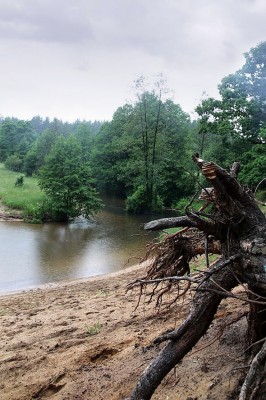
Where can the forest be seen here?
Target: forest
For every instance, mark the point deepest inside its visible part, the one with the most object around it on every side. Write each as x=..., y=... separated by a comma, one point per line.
x=143, y=154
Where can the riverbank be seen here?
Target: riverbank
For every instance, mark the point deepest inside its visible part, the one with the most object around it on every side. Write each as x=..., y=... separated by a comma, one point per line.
x=85, y=340
x=6, y=214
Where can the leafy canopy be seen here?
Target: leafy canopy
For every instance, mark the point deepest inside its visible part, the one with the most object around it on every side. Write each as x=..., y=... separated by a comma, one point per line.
x=242, y=109
x=16, y=138
x=141, y=153
x=67, y=181
x=236, y=123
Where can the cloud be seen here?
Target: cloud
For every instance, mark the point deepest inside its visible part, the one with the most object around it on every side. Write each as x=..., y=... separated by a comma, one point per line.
x=79, y=58
x=44, y=21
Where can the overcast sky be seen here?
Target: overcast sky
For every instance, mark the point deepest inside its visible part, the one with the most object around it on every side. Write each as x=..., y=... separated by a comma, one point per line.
x=78, y=59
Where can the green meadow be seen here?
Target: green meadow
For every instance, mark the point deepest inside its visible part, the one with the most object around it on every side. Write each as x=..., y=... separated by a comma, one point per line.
x=25, y=197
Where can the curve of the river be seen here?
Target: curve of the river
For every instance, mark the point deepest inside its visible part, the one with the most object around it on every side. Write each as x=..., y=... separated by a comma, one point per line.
x=33, y=255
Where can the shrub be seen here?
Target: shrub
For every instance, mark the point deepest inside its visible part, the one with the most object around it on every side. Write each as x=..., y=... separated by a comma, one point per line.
x=93, y=329
x=14, y=163
x=33, y=214
x=20, y=181
x=139, y=202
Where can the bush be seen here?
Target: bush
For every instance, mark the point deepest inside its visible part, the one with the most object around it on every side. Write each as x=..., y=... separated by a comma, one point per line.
x=181, y=204
x=40, y=212
x=20, y=181
x=138, y=202
x=135, y=203
x=14, y=163
x=33, y=214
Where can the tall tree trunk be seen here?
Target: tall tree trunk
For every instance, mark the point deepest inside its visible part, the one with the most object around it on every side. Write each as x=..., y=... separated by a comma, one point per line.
x=145, y=144
x=153, y=161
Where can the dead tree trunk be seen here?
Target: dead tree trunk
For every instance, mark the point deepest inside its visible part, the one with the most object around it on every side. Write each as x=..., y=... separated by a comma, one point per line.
x=236, y=228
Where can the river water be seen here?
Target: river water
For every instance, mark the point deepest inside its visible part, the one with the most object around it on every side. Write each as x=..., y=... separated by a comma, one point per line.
x=33, y=255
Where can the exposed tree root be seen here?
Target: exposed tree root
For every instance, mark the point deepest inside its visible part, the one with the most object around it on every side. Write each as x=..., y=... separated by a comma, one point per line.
x=183, y=339
x=236, y=229
x=254, y=386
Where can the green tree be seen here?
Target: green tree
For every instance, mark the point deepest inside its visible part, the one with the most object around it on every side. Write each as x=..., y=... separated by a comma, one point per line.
x=142, y=151
x=16, y=137
x=241, y=111
x=85, y=136
x=35, y=157
x=67, y=182
x=39, y=124
x=14, y=163
x=112, y=154
x=49, y=131
x=253, y=168
x=162, y=133
x=237, y=122
x=148, y=112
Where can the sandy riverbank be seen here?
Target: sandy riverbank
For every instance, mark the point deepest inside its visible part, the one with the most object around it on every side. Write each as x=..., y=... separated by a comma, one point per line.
x=47, y=350
x=6, y=214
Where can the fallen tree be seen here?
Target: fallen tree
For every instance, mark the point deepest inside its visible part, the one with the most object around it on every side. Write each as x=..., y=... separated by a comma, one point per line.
x=232, y=225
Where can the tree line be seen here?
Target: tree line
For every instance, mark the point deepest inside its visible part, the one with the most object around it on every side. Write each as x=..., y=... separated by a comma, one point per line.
x=143, y=154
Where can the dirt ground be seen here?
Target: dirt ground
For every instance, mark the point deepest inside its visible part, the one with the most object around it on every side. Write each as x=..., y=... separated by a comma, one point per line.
x=85, y=340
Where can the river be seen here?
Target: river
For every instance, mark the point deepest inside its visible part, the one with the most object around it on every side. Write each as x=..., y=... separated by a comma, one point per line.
x=33, y=255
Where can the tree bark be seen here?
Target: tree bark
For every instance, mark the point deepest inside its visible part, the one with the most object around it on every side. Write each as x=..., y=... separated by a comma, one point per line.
x=239, y=226
x=254, y=386
x=202, y=312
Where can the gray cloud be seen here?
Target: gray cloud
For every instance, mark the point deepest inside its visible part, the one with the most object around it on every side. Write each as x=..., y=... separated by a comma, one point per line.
x=45, y=21
x=78, y=58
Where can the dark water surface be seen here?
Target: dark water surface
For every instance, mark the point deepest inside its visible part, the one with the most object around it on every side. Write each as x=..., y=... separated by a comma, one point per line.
x=32, y=255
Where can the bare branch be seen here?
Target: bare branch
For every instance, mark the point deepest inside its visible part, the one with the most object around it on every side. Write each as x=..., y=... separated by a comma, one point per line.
x=235, y=169
x=226, y=293
x=206, y=226
x=166, y=223
x=218, y=266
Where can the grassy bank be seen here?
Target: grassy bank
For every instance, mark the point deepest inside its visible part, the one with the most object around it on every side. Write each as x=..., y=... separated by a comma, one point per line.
x=24, y=198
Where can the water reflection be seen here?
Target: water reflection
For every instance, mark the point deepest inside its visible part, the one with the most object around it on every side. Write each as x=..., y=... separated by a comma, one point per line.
x=36, y=254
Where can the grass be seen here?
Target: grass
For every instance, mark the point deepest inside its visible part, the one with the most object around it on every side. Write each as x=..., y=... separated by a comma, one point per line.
x=101, y=293
x=200, y=262
x=19, y=198
x=93, y=329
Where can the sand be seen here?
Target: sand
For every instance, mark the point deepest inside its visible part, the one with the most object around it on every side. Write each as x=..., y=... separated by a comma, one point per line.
x=85, y=340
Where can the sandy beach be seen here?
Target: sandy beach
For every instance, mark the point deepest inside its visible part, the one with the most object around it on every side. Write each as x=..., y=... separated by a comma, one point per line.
x=85, y=340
